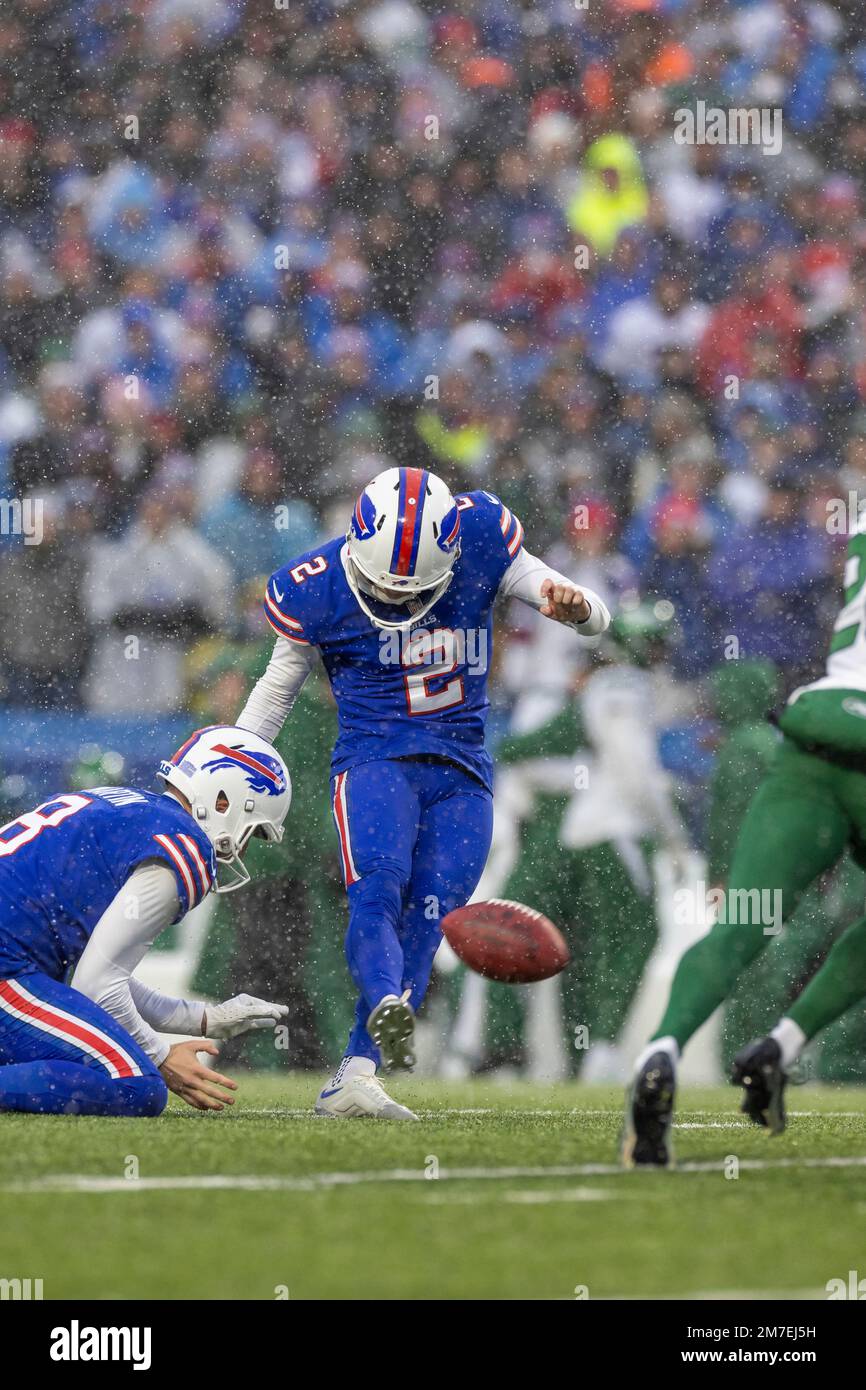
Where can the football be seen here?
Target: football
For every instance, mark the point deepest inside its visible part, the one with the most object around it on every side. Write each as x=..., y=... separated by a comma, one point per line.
x=506, y=941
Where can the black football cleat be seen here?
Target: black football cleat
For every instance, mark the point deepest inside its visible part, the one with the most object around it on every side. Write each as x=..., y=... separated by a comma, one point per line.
x=758, y=1069
x=649, y=1109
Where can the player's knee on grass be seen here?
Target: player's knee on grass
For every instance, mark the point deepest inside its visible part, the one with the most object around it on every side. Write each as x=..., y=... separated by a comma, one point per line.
x=147, y=1095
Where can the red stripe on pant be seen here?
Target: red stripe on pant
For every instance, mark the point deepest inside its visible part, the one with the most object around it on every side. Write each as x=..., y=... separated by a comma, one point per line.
x=350, y=874
x=80, y=1032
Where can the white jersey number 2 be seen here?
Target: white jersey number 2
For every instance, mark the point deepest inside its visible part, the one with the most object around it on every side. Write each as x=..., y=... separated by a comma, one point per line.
x=432, y=656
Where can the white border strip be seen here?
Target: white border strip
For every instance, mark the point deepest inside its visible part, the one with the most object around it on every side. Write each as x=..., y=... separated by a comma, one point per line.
x=312, y=1182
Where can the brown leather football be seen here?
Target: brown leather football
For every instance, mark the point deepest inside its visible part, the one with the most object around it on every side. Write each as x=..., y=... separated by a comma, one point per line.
x=506, y=941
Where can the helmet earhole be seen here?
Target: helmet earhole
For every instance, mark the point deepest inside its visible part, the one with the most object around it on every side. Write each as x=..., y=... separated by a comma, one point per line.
x=249, y=804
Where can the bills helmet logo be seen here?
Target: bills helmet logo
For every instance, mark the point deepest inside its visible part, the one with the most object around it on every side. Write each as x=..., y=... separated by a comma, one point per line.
x=263, y=773
x=363, y=523
x=450, y=533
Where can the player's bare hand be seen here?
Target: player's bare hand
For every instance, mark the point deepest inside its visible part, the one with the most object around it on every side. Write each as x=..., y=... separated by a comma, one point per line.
x=198, y=1085
x=564, y=603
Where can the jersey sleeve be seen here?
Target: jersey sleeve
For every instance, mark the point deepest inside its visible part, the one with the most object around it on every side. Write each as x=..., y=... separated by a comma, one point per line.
x=193, y=862
x=511, y=530
x=498, y=529
x=174, y=840
x=284, y=608
x=299, y=597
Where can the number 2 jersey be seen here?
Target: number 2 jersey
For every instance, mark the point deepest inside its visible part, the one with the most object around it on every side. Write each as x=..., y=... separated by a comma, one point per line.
x=62, y=864
x=422, y=689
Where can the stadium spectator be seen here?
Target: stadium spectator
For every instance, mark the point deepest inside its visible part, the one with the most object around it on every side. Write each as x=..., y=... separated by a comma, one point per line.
x=149, y=594
x=44, y=628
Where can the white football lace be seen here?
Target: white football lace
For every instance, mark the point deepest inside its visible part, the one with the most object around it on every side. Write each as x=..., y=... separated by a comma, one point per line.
x=374, y=1085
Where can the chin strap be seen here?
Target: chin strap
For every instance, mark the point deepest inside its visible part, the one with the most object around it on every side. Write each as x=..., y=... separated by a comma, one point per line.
x=415, y=614
x=231, y=874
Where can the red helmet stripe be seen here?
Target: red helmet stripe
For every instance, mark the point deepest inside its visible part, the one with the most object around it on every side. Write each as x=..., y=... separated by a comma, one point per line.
x=411, y=519
x=240, y=756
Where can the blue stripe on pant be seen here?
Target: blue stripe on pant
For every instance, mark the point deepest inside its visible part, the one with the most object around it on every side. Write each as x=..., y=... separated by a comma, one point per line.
x=419, y=835
x=61, y=1054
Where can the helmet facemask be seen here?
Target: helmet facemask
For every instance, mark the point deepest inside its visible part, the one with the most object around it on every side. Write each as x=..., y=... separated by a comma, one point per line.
x=393, y=606
x=230, y=843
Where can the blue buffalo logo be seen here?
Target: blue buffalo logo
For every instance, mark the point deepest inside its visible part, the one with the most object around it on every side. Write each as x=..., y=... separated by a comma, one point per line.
x=449, y=534
x=263, y=773
x=363, y=523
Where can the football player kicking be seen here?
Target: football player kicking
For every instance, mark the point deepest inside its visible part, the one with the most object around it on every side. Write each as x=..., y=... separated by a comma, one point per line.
x=400, y=611
x=810, y=808
x=87, y=882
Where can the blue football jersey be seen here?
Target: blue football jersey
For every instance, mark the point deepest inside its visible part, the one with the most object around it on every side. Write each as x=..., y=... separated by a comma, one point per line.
x=62, y=864
x=422, y=690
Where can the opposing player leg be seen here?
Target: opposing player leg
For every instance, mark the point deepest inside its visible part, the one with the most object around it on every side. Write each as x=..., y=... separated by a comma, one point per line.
x=761, y=1067
x=61, y=1054
x=795, y=829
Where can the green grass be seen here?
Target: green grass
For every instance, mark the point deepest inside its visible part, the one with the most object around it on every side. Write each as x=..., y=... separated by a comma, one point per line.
x=776, y=1230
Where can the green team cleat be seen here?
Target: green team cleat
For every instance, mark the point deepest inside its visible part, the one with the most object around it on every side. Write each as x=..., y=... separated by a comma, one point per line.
x=758, y=1069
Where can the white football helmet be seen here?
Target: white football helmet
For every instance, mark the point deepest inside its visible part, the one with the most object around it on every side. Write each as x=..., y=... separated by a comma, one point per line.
x=237, y=786
x=401, y=546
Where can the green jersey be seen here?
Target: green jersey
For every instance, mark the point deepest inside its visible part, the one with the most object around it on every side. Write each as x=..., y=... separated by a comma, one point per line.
x=831, y=711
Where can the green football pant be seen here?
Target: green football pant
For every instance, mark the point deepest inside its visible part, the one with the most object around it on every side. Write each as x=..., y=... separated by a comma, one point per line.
x=798, y=826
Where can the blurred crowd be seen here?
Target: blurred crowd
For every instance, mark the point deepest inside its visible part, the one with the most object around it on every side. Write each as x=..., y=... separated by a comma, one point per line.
x=251, y=254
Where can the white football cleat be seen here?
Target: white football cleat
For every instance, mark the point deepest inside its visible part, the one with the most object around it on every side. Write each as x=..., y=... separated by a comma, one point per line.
x=360, y=1097
x=391, y=1025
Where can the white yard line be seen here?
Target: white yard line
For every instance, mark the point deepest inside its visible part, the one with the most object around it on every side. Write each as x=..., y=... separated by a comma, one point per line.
x=530, y=1197
x=311, y=1182
x=306, y=1112
x=712, y=1124
x=721, y=1295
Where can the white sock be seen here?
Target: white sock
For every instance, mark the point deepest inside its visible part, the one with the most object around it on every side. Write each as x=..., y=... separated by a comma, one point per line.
x=668, y=1045
x=353, y=1066
x=791, y=1039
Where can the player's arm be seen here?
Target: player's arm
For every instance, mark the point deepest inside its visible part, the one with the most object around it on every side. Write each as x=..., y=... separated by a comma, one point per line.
x=273, y=695
x=545, y=589
x=294, y=654
x=142, y=909
x=146, y=904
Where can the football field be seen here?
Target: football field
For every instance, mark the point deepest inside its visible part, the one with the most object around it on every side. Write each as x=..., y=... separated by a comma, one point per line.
x=501, y=1192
